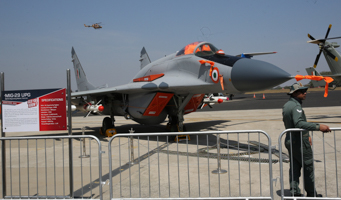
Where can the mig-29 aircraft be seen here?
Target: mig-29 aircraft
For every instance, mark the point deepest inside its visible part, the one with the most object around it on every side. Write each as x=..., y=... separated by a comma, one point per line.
x=332, y=57
x=175, y=85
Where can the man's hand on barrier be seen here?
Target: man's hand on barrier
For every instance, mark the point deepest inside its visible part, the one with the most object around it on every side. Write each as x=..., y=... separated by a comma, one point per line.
x=310, y=141
x=324, y=128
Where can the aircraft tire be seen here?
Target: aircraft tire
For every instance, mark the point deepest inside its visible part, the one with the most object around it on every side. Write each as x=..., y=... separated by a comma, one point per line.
x=106, y=124
x=231, y=96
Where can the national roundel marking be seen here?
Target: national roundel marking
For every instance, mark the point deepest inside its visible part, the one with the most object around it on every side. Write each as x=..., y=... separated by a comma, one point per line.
x=215, y=75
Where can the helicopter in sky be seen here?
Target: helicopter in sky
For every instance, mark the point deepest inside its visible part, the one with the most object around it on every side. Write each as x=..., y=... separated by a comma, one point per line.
x=95, y=25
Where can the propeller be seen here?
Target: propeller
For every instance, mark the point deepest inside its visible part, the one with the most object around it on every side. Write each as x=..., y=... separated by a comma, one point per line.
x=311, y=37
x=321, y=43
x=322, y=47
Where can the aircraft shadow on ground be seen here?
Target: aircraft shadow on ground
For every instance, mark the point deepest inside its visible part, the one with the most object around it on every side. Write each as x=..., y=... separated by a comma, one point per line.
x=213, y=125
x=138, y=128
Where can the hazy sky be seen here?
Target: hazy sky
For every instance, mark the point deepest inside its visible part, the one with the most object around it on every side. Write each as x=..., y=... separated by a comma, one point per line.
x=37, y=35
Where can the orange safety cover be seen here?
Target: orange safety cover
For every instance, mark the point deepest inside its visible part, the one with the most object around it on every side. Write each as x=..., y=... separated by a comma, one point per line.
x=221, y=81
x=148, y=78
x=206, y=48
x=209, y=62
x=158, y=103
x=190, y=48
x=317, y=78
x=194, y=103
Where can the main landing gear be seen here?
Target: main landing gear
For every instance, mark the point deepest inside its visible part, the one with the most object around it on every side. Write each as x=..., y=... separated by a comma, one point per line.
x=108, y=128
x=174, y=125
x=176, y=118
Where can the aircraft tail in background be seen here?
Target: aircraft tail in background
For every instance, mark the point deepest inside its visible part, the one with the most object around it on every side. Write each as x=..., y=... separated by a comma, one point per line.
x=312, y=71
x=82, y=82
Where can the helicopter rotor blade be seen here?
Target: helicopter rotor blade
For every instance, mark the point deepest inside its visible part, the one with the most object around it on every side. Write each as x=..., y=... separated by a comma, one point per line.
x=328, y=31
x=331, y=55
x=322, y=46
x=317, y=58
x=311, y=37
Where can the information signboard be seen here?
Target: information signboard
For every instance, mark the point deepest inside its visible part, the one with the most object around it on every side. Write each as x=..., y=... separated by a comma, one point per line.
x=34, y=110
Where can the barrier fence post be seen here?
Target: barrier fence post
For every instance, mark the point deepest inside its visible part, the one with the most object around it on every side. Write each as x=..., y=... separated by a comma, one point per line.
x=131, y=131
x=3, y=146
x=219, y=170
x=84, y=148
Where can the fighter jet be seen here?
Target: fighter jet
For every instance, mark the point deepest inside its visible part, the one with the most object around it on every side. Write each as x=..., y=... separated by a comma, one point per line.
x=174, y=85
x=332, y=57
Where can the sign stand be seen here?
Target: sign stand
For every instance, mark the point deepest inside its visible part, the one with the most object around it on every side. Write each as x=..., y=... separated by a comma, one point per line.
x=3, y=144
x=70, y=131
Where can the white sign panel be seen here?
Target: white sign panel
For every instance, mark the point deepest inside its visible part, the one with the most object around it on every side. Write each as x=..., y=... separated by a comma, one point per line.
x=34, y=110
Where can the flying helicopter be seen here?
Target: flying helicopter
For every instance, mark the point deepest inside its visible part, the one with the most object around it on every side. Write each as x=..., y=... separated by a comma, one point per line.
x=175, y=85
x=95, y=25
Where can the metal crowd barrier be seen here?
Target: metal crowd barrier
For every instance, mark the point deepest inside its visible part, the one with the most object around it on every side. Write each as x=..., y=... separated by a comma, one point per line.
x=158, y=165
x=38, y=167
x=326, y=155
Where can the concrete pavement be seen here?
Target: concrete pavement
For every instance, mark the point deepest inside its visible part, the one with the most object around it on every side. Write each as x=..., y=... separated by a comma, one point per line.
x=137, y=176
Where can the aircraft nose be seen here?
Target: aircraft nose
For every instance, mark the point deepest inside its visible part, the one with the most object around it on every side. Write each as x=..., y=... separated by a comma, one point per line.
x=251, y=75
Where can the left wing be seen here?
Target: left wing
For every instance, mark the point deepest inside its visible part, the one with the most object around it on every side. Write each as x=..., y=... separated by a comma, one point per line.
x=250, y=55
x=164, y=84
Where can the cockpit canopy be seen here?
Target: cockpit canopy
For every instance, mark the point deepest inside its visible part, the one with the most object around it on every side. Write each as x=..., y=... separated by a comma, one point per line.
x=207, y=51
x=199, y=49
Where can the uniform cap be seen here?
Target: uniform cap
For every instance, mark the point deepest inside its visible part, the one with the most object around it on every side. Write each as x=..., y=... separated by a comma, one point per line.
x=297, y=86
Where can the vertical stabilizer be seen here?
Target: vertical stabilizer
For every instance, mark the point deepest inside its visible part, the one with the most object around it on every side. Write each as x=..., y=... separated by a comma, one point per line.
x=144, y=58
x=82, y=82
x=312, y=71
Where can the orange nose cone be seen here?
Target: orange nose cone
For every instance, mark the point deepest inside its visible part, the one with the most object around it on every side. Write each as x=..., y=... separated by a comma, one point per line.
x=220, y=101
x=100, y=108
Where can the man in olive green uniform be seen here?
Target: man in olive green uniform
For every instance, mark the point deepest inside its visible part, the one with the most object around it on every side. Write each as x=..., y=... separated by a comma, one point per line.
x=294, y=117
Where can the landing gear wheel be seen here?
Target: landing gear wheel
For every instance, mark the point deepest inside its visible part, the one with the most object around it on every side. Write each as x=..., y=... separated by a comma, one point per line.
x=106, y=124
x=231, y=96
